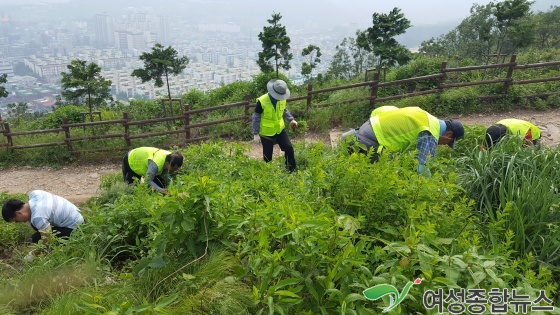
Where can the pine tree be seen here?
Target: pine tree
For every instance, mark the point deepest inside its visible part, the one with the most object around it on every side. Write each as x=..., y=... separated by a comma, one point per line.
x=276, y=46
x=380, y=38
x=85, y=80
x=158, y=63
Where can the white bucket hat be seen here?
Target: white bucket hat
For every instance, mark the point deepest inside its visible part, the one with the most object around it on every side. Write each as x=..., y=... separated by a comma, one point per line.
x=278, y=89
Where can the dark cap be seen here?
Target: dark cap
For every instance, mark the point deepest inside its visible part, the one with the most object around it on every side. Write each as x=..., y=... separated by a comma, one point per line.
x=494, y=134
x=457, y=129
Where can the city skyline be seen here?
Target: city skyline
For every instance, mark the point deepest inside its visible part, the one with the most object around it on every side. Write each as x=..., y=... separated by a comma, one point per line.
x=320, y=12
x=223, y=46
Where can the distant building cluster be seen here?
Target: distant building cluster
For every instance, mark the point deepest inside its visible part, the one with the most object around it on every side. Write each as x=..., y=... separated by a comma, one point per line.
x=203, y=75
x=35, y=48
x=226, y=28
x=6, y=68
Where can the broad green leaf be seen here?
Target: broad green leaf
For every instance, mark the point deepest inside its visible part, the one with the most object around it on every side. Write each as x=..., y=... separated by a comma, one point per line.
x=354, y=297
x=489, y=264
x=443, y=241
x=286, y=293
x=477, y=277
x=397, y=247
x=446, y=282
x=285, y=282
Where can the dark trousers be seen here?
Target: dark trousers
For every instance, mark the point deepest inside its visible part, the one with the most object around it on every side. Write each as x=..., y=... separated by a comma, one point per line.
x=129, y=175
x=59, y=231
x=368, y=146
x=284, y=144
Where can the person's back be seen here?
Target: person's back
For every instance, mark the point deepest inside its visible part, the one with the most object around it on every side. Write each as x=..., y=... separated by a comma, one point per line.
x=138, y=159
x=521, y=128
x=382, y=109
x=49, y=209
x=515, y=127
x=395, y=130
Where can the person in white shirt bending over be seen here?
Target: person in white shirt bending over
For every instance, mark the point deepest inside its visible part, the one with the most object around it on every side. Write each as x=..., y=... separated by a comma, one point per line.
x=47, y=214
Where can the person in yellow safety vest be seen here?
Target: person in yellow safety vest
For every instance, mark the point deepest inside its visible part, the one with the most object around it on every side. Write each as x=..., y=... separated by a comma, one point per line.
x=152, y=163
x=268, y=122
x=382, y=109
x=516, y=127
x=374, y=112
x=396, y=130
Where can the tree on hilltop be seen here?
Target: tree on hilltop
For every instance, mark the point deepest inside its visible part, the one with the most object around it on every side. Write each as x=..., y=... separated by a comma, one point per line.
x=350, y=59
x=512, y=27
x=3, y=79
x=548, y=28
x=314, y=53
x=276, y=46
x=380, y=38
x=17, y=110
x=494, y=29
x=85, y=81
x=158, y=63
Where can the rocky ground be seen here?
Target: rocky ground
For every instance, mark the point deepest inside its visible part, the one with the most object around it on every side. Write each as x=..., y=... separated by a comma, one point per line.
x=79, y=183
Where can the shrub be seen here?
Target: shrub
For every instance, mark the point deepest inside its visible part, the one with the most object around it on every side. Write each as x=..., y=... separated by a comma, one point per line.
x=553, y=101
x=55, y=118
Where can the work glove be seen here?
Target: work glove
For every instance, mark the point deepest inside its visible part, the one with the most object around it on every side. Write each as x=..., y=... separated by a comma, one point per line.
x=256, y=139
x=294, y=124
x=347, y=133
x=424, y=171
x=29, y=257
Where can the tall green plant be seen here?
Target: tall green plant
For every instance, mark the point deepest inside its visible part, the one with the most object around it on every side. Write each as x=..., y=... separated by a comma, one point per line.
x=517, y=190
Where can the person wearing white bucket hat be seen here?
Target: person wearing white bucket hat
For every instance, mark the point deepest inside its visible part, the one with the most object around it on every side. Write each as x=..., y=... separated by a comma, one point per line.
x=268, y=122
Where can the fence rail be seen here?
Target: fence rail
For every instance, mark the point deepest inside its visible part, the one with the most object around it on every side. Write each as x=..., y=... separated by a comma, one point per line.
x=374, y=85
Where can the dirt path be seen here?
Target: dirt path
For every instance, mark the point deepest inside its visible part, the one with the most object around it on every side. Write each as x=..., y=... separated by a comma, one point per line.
x=78, y=184
x=74, y=183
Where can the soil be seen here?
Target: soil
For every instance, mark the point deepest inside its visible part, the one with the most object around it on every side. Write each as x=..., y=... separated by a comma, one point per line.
x=79, y=183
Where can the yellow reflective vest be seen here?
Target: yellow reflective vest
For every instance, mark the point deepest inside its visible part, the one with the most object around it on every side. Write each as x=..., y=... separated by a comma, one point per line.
x=272, y=119
x=138, y=159
x=382, y=109
x=520, y=128
x=395, y=130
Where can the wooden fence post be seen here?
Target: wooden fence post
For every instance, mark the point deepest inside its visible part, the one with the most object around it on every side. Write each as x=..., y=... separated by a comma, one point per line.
x=165, y=111
x=67, y=134
x=187, y=122
x=442, y=78
x=374, y=90
x=509, y=74
x=9, y=140
x=126, y=130
x=309, y=97
x=367, y=71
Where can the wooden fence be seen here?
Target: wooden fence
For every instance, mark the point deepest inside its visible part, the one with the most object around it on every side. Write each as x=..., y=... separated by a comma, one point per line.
x=185, y=117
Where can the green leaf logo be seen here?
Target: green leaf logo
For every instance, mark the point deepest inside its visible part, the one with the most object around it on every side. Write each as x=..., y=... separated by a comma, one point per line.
x=381, y=290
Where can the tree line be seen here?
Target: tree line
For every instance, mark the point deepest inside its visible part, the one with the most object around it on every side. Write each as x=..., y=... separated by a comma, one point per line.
x=498, y=29
x=490, y=31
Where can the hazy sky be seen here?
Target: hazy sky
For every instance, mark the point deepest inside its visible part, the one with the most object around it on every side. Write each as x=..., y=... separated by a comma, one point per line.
x=323, y=12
